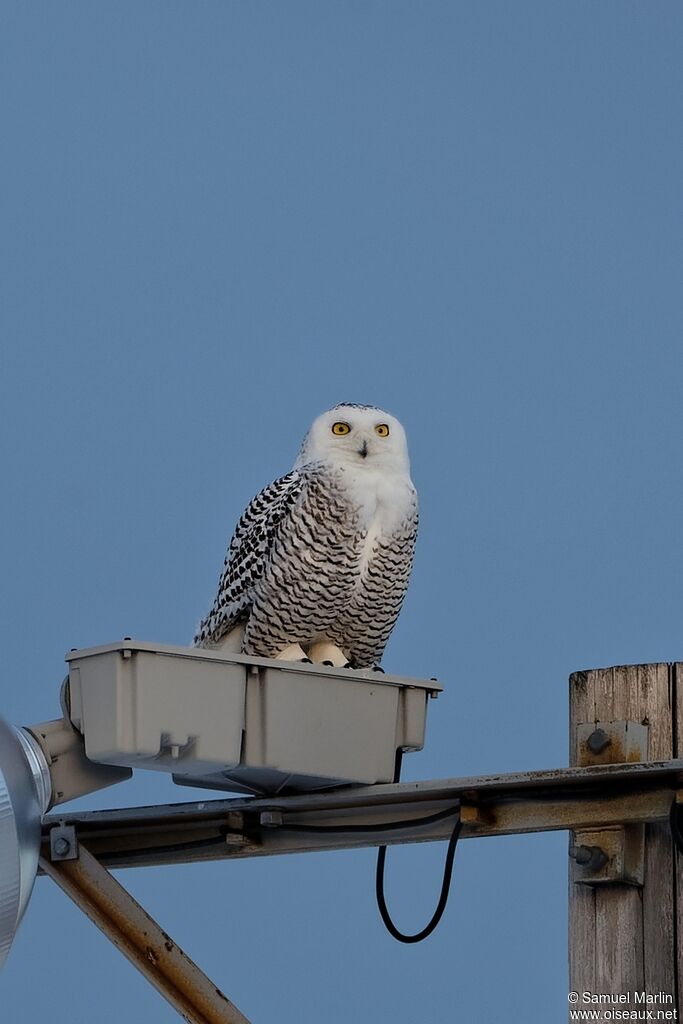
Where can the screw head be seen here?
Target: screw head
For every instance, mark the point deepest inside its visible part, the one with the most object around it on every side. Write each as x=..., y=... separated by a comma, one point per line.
x=61, y=846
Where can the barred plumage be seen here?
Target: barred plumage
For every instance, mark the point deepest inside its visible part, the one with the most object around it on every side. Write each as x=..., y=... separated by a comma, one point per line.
x=319, y=562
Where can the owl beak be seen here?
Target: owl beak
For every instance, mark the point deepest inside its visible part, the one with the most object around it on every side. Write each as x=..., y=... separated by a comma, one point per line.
x=363, y=450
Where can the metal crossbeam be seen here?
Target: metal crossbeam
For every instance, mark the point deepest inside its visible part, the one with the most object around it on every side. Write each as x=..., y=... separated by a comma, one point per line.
x=76, y=847
x=490, y=805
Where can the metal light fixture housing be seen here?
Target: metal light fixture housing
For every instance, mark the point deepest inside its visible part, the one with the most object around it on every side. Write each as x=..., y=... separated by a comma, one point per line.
x=25, y=793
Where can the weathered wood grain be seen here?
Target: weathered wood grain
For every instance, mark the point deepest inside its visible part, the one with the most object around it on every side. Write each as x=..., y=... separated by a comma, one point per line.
x=677, y=697
x=625, y=939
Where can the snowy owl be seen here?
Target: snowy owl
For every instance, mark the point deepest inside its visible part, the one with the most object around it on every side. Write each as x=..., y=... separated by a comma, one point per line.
x=318, y=566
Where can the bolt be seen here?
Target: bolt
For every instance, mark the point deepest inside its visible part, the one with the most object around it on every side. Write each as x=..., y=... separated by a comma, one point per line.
x=61, y=846
x=598, y=741
x=589, y=856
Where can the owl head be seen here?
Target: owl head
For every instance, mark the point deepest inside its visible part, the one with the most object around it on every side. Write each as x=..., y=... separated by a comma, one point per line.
x=356, y=436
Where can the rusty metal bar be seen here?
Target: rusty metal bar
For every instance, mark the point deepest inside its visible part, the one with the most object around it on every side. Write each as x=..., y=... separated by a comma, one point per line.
x=491, y=805
x=141, y=940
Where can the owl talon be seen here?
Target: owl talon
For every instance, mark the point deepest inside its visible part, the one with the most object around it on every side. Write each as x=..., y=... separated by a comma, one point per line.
x=324, y=653
x=378, y=668
x=347, y=665
x=305, y=661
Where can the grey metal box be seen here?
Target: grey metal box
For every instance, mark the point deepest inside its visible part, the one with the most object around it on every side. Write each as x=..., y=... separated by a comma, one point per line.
x=234, y=722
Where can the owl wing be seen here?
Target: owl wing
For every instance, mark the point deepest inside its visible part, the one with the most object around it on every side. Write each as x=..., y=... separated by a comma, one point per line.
x=247, y=557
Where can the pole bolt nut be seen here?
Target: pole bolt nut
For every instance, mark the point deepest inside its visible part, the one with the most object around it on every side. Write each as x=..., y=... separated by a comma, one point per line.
x=598, y=741
x=63, y=843
x=592, y=857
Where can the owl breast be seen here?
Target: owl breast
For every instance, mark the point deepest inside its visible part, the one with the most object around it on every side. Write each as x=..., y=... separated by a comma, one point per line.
x=339, y=570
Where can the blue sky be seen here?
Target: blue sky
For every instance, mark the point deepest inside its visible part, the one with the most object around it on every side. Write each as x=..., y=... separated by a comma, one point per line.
x=219, y=219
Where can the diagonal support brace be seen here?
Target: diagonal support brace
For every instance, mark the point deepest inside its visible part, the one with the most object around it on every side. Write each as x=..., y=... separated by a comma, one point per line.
x=141, y=940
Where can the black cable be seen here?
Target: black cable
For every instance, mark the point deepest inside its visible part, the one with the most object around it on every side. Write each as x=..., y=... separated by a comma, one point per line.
x=384, y=826
x=429, y=819
x=675, y=825
x=445, y=884
x=219, y=840
x=443, y=896
x=190, y=844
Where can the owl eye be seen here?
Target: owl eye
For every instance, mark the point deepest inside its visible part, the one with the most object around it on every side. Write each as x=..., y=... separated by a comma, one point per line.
x=382, y=429
x=341, y=428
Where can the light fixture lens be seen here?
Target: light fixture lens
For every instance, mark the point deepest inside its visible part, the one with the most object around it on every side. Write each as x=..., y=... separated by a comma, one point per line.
x=24, y=797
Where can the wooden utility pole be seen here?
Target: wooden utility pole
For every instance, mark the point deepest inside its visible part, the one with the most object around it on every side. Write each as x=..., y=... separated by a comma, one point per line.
x=626, y=882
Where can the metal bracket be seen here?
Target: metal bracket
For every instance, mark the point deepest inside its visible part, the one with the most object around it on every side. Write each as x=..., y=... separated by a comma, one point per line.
x=616, y=854
x=271, y=819
x=609, y=855
x=63, y=843
x=473, y=814
x=71, y=771
x=611, y=743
